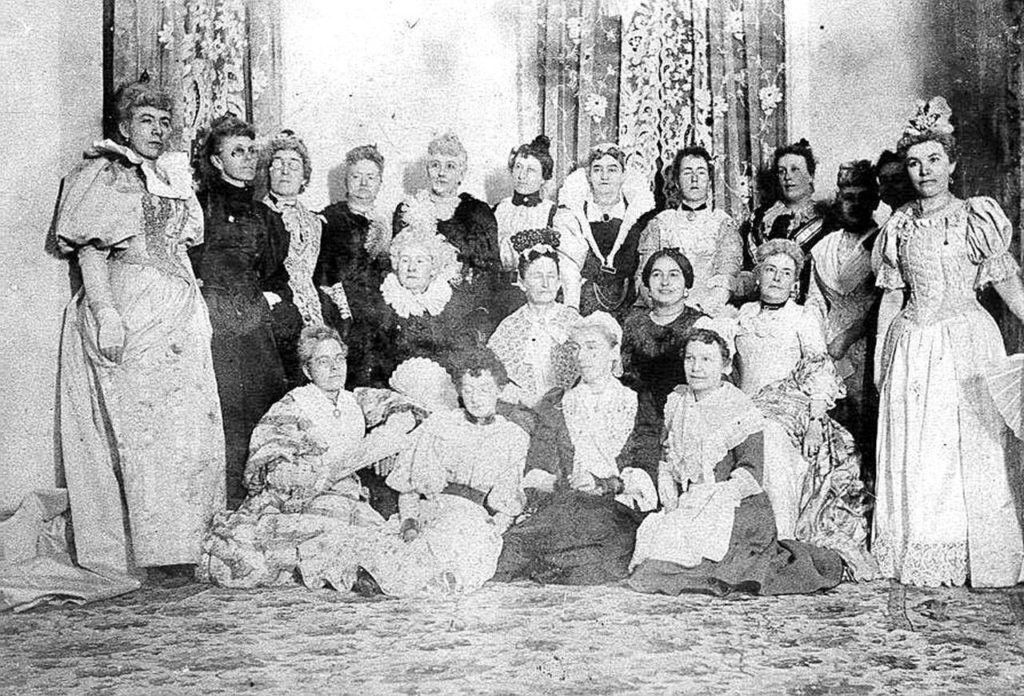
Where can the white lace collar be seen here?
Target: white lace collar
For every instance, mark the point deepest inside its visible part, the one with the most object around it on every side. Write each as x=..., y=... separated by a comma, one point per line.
x=431, y=301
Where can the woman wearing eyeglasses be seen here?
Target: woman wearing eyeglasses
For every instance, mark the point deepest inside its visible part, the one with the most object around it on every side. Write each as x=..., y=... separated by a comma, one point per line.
x=286, y=167
x=241, y=268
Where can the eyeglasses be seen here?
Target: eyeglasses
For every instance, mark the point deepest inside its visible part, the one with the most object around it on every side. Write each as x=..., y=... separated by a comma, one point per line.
x=327, y=361
x=289, y=165
x=241, y=152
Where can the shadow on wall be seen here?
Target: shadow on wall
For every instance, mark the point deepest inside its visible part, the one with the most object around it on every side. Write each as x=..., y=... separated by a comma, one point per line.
x=336, y=185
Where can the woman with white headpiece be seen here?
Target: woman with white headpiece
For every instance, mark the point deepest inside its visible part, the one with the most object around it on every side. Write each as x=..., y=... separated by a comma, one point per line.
x=946, y=511
x=586, y=499
x=615, y=203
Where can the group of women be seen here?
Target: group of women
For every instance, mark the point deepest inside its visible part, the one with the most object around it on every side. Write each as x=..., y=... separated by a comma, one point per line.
x=585, y=392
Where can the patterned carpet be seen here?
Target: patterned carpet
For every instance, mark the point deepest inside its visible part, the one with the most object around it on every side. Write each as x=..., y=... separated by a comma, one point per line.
x=516, y=639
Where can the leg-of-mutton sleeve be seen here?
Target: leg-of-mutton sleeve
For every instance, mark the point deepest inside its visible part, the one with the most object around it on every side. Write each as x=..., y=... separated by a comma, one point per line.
x=988, y=238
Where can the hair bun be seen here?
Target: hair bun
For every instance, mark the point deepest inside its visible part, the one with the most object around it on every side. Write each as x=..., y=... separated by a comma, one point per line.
x=803, y=142
x=541, y=142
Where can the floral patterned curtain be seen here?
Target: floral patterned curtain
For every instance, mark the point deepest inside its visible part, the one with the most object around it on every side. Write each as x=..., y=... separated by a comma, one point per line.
x=211, y=56
x=569, y=72
x=711, y=73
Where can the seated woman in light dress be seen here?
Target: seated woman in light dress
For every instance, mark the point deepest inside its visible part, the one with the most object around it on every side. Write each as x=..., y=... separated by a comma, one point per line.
x=459, y=488
x=587, y=499
x=533, y=342
x=531, y=166
x=301, y=477
x=716, y=531
x=784, y=366
x=652, y=341
x=706, y=235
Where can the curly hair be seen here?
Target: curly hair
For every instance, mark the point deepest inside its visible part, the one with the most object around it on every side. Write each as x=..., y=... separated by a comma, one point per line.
x=671, y=185
x=370, y=153
x=137, y=95
x=443, y=256
x=604, y=150
x=540, y=149
x=222, y=128
x=285, y=140
x=707, y=337
x=946, y=140
x=313, y=336
x=786, y=247
x=801, y=148
x=671, y=253
x=475, y=362
x=448, y=144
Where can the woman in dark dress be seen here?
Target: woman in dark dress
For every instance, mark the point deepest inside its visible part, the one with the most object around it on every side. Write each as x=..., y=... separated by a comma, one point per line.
x=586, y=498
x=354, y=253
x=615, y=210
x=716, y=533
x=467, y=223
x=652, y=342
x=242, y=273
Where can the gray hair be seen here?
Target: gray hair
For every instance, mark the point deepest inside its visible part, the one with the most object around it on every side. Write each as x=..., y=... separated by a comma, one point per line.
x=313, y=336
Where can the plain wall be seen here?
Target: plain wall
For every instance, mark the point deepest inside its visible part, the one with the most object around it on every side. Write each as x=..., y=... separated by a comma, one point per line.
x=397, y=73
x=51, y=98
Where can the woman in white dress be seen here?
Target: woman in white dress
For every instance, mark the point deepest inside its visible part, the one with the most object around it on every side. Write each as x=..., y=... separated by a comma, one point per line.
x=946, y=512
x=533, y=342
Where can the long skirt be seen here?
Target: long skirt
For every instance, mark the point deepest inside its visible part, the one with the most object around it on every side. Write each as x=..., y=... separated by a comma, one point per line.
x=948, y=483
x=141, y=440
x=573, y=539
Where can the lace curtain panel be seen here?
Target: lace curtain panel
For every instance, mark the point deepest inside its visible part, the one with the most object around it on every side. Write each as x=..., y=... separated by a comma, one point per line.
x=657, y=75
x=211, y=56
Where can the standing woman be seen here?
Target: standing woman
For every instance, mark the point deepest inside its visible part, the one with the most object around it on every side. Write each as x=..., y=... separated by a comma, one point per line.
x=354, y=251
x=287, y=168
x=141, y=439
x=613, y=205
x=531, y=167
x=242, y=273
x=945, y=513
x=467, y=223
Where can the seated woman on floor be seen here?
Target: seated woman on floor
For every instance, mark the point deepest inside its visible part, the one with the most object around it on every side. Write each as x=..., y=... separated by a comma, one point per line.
x=533, y=341
x=716, y=531
x=459, y=489
x=784, y=367
x=301, y=475
x=587, y=499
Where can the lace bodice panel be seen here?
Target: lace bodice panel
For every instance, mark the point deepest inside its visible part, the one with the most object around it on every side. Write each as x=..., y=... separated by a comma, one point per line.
x=771, y=342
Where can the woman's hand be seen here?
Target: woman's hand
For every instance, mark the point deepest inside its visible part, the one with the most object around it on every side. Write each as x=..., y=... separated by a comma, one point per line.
x=813, y=439
x=386, y=465
x=111, y=334
x=583, y=481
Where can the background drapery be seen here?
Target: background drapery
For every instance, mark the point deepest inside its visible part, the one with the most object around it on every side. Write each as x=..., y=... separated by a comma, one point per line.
x=211, y=56
x=657, y=75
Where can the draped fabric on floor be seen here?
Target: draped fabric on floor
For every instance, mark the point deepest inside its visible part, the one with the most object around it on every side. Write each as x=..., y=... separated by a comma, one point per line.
x=657, y=75
x=211, y=56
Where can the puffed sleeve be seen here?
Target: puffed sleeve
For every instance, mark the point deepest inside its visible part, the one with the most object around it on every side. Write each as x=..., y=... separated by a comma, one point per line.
x=100, y=206
x=422, y=470
x=506, y=494
x=988, y=240
x=884, y=256
x=728, y=258
x=283, y=454
x=572, y=242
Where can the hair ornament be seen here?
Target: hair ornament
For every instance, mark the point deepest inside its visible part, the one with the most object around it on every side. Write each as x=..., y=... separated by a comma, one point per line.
x=543, y=240
x=932, y=118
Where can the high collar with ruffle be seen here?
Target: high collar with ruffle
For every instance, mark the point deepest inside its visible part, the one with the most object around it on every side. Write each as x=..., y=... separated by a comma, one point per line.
x=169, y=176
x=406, y=303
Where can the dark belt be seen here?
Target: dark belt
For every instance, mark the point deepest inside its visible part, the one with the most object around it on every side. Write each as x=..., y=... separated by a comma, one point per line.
x=462, y=491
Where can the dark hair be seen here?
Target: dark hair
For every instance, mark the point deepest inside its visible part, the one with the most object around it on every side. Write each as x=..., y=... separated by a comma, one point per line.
x=474, y=362
x=946, y=140
x=801, y=148
x=527, y=258
x=707, y=337
x=887, y=157
x=222, y=128
x=136, y=95
x=540, y=149
x=604, y=149
x=670, y=185
x=672, y=253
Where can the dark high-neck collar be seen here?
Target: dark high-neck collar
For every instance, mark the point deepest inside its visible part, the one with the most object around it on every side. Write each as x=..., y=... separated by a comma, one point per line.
x=528, y=199
x=773, y=306
x=686, y=207
x=479, y=421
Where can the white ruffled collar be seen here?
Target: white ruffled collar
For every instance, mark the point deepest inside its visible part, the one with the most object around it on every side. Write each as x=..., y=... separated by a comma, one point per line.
x=170, y=176
x=431, y=301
